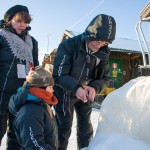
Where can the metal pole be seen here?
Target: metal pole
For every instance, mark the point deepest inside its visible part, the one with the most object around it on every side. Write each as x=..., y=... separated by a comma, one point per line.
x=48, y=42
x=139, y=39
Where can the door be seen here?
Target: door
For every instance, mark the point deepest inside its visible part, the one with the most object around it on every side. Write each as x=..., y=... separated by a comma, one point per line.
x=116, y=71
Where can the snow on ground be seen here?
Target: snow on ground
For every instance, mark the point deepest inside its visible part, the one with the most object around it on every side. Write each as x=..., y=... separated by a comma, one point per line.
x=94, y=119
x=3, y=147
x=72, y=141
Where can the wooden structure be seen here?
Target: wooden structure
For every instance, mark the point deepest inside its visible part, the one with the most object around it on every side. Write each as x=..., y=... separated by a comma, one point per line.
x=48, y=60
x=145, y=13
x=128, y=68
x=144, y=17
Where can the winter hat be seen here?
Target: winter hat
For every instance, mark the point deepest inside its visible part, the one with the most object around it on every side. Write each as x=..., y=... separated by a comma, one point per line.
x=101, y=28
x=14, y=10
x=39, y=77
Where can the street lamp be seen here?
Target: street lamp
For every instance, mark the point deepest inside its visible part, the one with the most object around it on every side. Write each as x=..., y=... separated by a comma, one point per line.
x=48, y=36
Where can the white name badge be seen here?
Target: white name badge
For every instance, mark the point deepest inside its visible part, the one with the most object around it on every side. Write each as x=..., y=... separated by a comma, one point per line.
x=21, y=71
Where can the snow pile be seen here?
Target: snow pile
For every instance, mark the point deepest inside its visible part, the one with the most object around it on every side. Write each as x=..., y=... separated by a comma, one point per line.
x=124, y=121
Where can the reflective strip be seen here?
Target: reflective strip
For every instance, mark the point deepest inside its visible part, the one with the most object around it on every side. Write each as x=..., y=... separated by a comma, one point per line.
x=110, y=27
x=61, y=66
x=6, y=81
x=34, y=141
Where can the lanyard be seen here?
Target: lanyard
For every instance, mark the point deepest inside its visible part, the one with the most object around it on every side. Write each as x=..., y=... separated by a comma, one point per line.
x=87, y=62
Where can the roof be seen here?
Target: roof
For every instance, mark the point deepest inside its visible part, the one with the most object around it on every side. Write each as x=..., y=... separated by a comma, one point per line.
x=119, y=44
x=124, y=44
x=145, y=13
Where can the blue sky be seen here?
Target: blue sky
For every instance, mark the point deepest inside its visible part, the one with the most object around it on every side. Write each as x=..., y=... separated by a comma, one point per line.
x=52, y=17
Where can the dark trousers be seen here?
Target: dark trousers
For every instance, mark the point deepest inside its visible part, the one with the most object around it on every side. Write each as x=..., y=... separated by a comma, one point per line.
x=64, y=122
x=12, y=142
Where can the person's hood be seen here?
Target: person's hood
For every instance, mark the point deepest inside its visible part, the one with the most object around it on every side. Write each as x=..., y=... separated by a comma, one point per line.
x=19, y=99
x=101, y=28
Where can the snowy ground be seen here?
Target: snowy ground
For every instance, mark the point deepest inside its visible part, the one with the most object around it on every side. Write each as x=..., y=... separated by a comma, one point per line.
x=94, y=118
x=72, y=141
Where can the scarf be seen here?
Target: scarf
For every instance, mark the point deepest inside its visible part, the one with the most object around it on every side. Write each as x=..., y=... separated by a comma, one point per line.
x=21, y=49
x=44, y=95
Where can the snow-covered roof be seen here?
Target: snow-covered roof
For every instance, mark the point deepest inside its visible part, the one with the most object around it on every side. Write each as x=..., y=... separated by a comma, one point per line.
x=125, y=44
x=119, y=44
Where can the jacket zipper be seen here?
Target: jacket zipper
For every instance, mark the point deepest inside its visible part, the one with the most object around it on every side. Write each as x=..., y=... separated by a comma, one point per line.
x=6, y=81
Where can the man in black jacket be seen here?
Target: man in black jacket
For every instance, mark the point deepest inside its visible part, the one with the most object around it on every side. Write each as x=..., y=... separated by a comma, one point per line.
x=81, y=70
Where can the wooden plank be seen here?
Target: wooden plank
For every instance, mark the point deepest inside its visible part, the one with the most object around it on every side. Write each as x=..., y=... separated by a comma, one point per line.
x=145, y=12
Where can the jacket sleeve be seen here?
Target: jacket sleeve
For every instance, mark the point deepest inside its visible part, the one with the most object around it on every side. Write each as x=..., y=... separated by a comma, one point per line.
x=0, y=41
x=30, y=131
x=101, y=77
x=18, y=99
x=35, y=52
x=62, y=69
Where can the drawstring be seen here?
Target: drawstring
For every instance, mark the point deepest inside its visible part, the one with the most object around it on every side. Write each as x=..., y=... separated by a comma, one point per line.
x=64, y=106
x=69, y=105
x=66, y=98
x=87, y=60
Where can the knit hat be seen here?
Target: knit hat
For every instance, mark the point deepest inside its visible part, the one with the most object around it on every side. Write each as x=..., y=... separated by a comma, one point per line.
x=101, y=28
x=10, y=13
x=39, y=77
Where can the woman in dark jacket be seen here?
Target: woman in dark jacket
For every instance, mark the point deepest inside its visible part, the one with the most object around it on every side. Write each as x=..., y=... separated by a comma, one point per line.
x=81, y=70
x=18, y=50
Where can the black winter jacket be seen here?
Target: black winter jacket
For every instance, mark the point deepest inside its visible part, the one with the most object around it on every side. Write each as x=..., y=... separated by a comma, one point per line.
x=73, y=66
x=9, y=81
x=34, y=127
